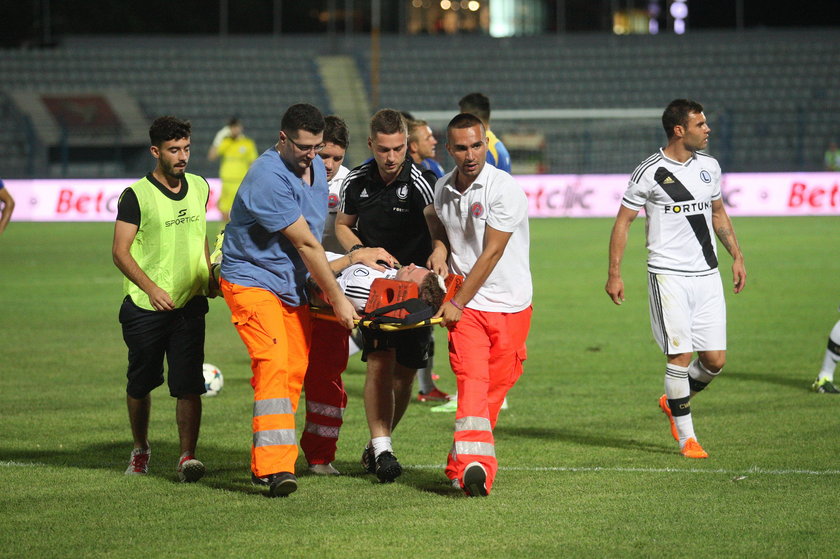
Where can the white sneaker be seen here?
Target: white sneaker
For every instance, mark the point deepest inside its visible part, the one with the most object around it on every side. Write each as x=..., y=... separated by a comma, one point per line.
x=324, y=469
x=190, y=470
x=139, y=463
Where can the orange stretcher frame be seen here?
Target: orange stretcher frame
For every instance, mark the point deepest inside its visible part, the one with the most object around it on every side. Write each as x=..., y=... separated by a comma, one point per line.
x=385, y=292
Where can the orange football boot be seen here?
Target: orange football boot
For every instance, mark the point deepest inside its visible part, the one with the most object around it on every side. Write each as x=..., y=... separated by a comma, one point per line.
x=692, y=449
x=663, y=405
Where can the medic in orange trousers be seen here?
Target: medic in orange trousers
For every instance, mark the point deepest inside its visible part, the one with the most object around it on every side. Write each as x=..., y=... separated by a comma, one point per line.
x=479, y=229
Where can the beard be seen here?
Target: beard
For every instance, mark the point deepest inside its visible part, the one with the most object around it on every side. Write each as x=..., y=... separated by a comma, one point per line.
x=174, y=172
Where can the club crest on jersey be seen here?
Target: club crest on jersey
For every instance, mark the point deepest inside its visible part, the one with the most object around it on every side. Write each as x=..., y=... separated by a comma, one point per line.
x=402, y=192
x=705, y=176
x=332, y=201
x=477, y=210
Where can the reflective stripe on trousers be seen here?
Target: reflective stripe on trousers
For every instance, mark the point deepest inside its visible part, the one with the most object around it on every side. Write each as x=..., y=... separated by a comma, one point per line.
x=278, y=338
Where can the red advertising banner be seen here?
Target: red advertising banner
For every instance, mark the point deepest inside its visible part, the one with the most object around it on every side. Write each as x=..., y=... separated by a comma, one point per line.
x=745, y=194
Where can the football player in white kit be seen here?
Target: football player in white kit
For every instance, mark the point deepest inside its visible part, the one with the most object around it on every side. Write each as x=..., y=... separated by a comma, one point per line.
x=825, y=379
x=679, y=188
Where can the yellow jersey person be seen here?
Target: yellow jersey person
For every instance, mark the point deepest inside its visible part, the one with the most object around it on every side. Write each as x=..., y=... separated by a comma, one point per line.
x=237, y=151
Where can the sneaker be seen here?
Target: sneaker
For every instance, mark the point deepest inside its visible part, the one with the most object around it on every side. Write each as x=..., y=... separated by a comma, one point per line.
x=369, y=460
x=190, y=470
x=387, y=467
x=139, y=462
x=324, y=469
x=475, y=480
x=692, y=449
x=259, y=481
x=663, y=405
x=450, y=406
x=282, y=484
x=435, y=395
x=824, y=386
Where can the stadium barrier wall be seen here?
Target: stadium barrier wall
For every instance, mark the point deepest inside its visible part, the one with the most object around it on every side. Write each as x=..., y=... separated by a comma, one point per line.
x=745, y=194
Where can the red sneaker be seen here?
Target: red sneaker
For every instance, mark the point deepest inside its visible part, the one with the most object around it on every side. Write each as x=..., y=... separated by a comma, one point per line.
x=435, y=395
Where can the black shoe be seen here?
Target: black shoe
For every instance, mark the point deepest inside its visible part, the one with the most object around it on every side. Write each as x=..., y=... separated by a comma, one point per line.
x=261, y=481
x=387, y=467
x=368, y=460
x=475, y=480
x=282, y=484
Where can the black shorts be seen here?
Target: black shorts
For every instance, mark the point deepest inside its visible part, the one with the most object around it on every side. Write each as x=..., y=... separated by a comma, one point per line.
x=178, y=334
x=412, y=346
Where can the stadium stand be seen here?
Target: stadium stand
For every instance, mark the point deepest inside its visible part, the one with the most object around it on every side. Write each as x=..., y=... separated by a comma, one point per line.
x=771, y=96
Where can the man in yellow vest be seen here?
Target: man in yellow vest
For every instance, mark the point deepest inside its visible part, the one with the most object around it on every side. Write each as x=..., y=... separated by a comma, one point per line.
x=160, y=246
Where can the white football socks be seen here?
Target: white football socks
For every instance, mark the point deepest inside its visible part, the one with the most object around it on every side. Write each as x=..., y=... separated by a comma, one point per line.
x=380, y=445
x=831, y=358
x=676, y=388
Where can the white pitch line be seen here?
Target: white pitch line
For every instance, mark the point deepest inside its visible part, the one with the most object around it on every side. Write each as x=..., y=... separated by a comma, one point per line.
x=753, y=470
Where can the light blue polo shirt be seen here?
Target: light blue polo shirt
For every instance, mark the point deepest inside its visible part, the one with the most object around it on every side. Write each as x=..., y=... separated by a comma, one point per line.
x=270, y=198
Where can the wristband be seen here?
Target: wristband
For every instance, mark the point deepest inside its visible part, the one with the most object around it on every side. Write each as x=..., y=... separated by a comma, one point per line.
x=355, y=247
x=456, y=305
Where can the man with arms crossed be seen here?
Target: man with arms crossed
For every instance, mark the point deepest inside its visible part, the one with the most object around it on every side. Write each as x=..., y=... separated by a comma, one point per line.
x=479, y=226
x=270, y=244
x=160, y=246
x=679, y=188
x=384, y=200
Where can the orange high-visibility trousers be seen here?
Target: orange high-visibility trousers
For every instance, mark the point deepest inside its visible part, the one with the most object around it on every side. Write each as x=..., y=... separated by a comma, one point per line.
x=325, y=395
x=278, y=338
x=486, y=352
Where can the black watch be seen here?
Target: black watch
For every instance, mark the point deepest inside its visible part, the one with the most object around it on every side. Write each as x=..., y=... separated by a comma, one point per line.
x=355, y=247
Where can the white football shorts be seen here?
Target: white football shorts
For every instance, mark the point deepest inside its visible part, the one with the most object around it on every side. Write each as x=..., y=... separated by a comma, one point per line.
x=687, y=313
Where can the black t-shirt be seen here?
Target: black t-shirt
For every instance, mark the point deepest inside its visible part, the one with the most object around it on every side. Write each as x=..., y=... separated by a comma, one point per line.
x=390, y=216
x=128, y=208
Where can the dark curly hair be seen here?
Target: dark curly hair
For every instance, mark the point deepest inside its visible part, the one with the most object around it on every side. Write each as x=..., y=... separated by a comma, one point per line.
x=167, y=128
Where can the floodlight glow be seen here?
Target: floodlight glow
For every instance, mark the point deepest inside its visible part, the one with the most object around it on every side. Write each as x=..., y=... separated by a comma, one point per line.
x=474, y=5
x=445, y=4
x=679, y=10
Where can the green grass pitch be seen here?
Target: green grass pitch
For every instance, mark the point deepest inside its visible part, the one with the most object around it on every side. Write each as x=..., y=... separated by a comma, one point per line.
x=588, y=467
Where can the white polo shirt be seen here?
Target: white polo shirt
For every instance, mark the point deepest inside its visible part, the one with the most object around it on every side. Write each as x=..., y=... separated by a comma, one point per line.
x=497, y=200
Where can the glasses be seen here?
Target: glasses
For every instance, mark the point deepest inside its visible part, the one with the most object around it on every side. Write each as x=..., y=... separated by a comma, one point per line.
x=307, y=149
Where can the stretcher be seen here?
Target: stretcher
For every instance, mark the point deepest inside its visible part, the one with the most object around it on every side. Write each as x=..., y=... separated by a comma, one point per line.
x=394, y=305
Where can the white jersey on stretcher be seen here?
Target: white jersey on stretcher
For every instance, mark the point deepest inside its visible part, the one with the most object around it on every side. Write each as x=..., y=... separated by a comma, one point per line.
x=677, y=198
x=355, y=281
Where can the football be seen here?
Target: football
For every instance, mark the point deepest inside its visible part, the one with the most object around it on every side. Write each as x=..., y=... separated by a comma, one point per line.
x=213, y=380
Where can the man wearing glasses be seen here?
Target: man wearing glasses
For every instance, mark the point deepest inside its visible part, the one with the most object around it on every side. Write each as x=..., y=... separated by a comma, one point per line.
x=270, y=244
